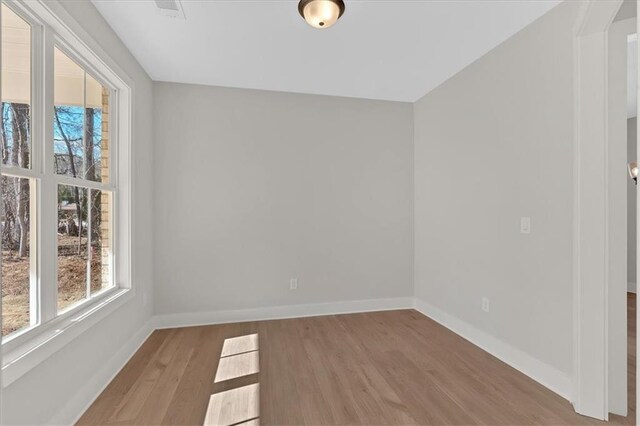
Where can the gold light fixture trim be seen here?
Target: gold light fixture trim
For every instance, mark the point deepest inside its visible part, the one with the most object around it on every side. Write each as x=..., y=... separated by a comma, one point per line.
x=632, y=168
x=321, y=13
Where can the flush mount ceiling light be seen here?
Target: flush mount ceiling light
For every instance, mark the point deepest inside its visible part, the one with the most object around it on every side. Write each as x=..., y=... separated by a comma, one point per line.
x=321, y=13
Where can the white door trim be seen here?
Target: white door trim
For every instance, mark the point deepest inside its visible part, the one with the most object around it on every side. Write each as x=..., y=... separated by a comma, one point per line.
x=618, y=182
x=590, y=242
x=637, y=218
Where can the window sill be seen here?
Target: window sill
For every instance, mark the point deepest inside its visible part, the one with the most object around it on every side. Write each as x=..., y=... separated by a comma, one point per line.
x=54, y=336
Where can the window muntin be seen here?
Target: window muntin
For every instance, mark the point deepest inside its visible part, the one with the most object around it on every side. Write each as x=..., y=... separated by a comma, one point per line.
x=68, y=98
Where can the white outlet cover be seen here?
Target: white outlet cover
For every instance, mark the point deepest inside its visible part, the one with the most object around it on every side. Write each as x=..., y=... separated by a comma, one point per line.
x=293, y=284
x=485, y=304
x=525, y=225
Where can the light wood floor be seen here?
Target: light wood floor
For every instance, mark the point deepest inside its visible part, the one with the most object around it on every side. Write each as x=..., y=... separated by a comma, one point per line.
x=396, y=367
x=631, y=360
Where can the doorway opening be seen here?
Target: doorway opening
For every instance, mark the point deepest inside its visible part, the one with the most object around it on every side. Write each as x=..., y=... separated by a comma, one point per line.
x=632, y=214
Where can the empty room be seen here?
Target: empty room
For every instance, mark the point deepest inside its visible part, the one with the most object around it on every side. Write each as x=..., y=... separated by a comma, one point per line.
x=318, y=212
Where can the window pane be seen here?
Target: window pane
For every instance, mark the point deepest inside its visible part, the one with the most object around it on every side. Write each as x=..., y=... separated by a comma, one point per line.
x=100, y=241
x=16, y=254
x=16, y=90
x=84, y=244
x=68, y=120
x=73, y=253
x=80, y=130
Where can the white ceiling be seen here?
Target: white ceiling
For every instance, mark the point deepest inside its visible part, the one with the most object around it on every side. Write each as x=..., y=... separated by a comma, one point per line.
x=391, y=50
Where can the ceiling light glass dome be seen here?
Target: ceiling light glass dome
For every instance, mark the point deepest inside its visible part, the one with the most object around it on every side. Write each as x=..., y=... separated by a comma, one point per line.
x=321, y=13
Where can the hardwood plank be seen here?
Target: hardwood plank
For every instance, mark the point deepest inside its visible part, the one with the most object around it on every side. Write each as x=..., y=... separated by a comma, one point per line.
x=190, y=400
x=124, y=380
x=155, y=406
x=280, y=380
x=134, y=399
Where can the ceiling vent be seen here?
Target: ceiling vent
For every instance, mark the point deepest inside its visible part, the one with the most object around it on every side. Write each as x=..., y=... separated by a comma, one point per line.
x=171, y=8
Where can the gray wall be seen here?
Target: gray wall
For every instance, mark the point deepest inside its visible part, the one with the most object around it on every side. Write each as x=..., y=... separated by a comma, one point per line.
x=631, y=206
x=57, y=386
x=253, y=188
x=493, y=144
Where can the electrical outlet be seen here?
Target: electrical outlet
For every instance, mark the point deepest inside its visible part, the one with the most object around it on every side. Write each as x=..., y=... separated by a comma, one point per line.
x=525, y=225
x=293, y=284
x=485, y=304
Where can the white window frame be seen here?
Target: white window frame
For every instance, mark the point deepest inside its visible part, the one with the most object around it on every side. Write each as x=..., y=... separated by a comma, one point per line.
x=52, y=26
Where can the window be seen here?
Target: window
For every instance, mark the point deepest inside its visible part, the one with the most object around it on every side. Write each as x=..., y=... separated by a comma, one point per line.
x=60, y=190
x=81, y=152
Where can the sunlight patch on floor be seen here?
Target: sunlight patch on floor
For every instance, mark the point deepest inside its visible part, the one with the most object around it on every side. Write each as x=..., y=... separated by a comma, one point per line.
x=254, y=422
x=234, y=406
x=235, y=366
x=240, y=344
x=240, y=406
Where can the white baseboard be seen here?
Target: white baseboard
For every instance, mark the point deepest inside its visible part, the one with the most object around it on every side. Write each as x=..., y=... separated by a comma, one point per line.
x=631, y=287
x=76, y=406
x=281, y=312
x=546, y=375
